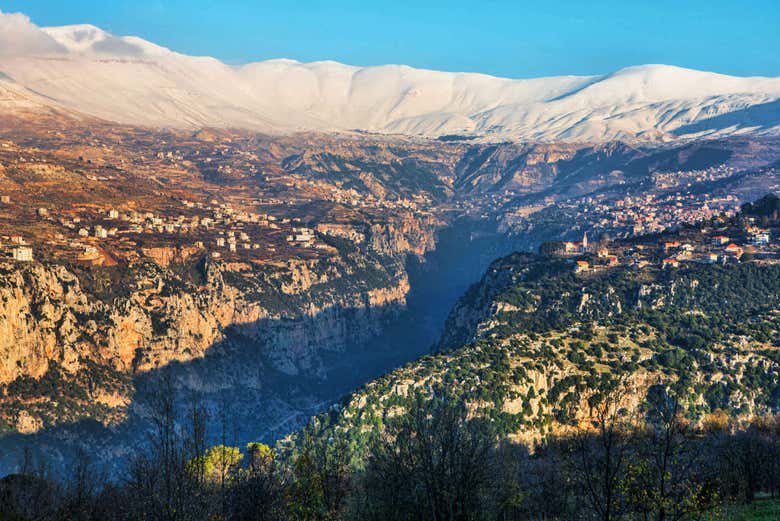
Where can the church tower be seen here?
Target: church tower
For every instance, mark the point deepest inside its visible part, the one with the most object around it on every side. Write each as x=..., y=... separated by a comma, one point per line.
x=585, y=241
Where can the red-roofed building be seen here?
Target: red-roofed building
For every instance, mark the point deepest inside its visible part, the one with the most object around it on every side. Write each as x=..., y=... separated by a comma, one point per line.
x=581, y=266
x=670, y=263
x=733, y=249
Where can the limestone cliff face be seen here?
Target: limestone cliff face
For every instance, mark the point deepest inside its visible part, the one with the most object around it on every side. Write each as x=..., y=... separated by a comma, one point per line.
x=159, y=313
x=408, y=235
x=474, y=310
x=165, y=255
x=528, y=396
x=511, y=166
x=557, y=168
x=47, y=317
x=38, y=316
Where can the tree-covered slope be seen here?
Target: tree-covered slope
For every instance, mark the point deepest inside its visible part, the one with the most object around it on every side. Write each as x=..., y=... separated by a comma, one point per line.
x=534, y=345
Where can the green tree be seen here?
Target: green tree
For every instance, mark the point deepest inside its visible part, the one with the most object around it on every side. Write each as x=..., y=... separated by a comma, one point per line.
x=599, y=453
x=321, y=476
x=431, y=463
x=551, y=248
x=663, y=479
x=221, y=462
x=257, y=493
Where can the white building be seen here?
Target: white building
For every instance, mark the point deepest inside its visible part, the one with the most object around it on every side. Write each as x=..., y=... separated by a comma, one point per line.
x=22, y=254
x=759, y=237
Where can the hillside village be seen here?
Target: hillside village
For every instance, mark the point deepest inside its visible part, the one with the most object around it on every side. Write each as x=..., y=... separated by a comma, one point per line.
x=98, y=236
x=118, y=211
x=715, y=241
x=651, y=211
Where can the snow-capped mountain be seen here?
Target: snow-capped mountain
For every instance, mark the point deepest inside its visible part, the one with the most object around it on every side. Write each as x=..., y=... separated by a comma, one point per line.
x=129, y=80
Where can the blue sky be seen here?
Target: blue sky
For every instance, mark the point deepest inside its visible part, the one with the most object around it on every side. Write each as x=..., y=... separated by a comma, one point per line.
x=517, y=39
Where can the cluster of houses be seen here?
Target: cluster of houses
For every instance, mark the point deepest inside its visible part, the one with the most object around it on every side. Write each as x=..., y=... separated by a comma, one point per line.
x=636, y=214
x=718, y=248
x=343, y=231
x=351, y=197
x=215, y=226
x=302, y=236
x=722, y=249
x=651, y=213
x=232, y=241
x=680, y=178
x=230, y=227
x=17, y=248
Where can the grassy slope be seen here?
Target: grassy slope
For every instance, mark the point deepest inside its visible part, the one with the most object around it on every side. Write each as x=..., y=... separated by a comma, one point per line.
x=765, y=510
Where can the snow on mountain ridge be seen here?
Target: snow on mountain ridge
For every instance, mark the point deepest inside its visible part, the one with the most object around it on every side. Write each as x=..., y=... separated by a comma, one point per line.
x=89, y=39
x=77, y=38
x=129, y=80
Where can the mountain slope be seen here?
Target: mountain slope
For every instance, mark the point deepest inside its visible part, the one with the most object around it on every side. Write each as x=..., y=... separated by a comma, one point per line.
x=530, y=345
x=129, y=80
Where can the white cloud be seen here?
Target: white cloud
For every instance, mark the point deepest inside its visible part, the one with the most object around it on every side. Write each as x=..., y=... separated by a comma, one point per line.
x=19, y=36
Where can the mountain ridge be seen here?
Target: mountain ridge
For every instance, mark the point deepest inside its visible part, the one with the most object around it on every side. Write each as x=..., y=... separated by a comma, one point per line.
x=128, y=80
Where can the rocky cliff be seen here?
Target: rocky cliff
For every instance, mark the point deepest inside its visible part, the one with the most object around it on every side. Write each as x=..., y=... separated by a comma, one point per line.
x=95, y=329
